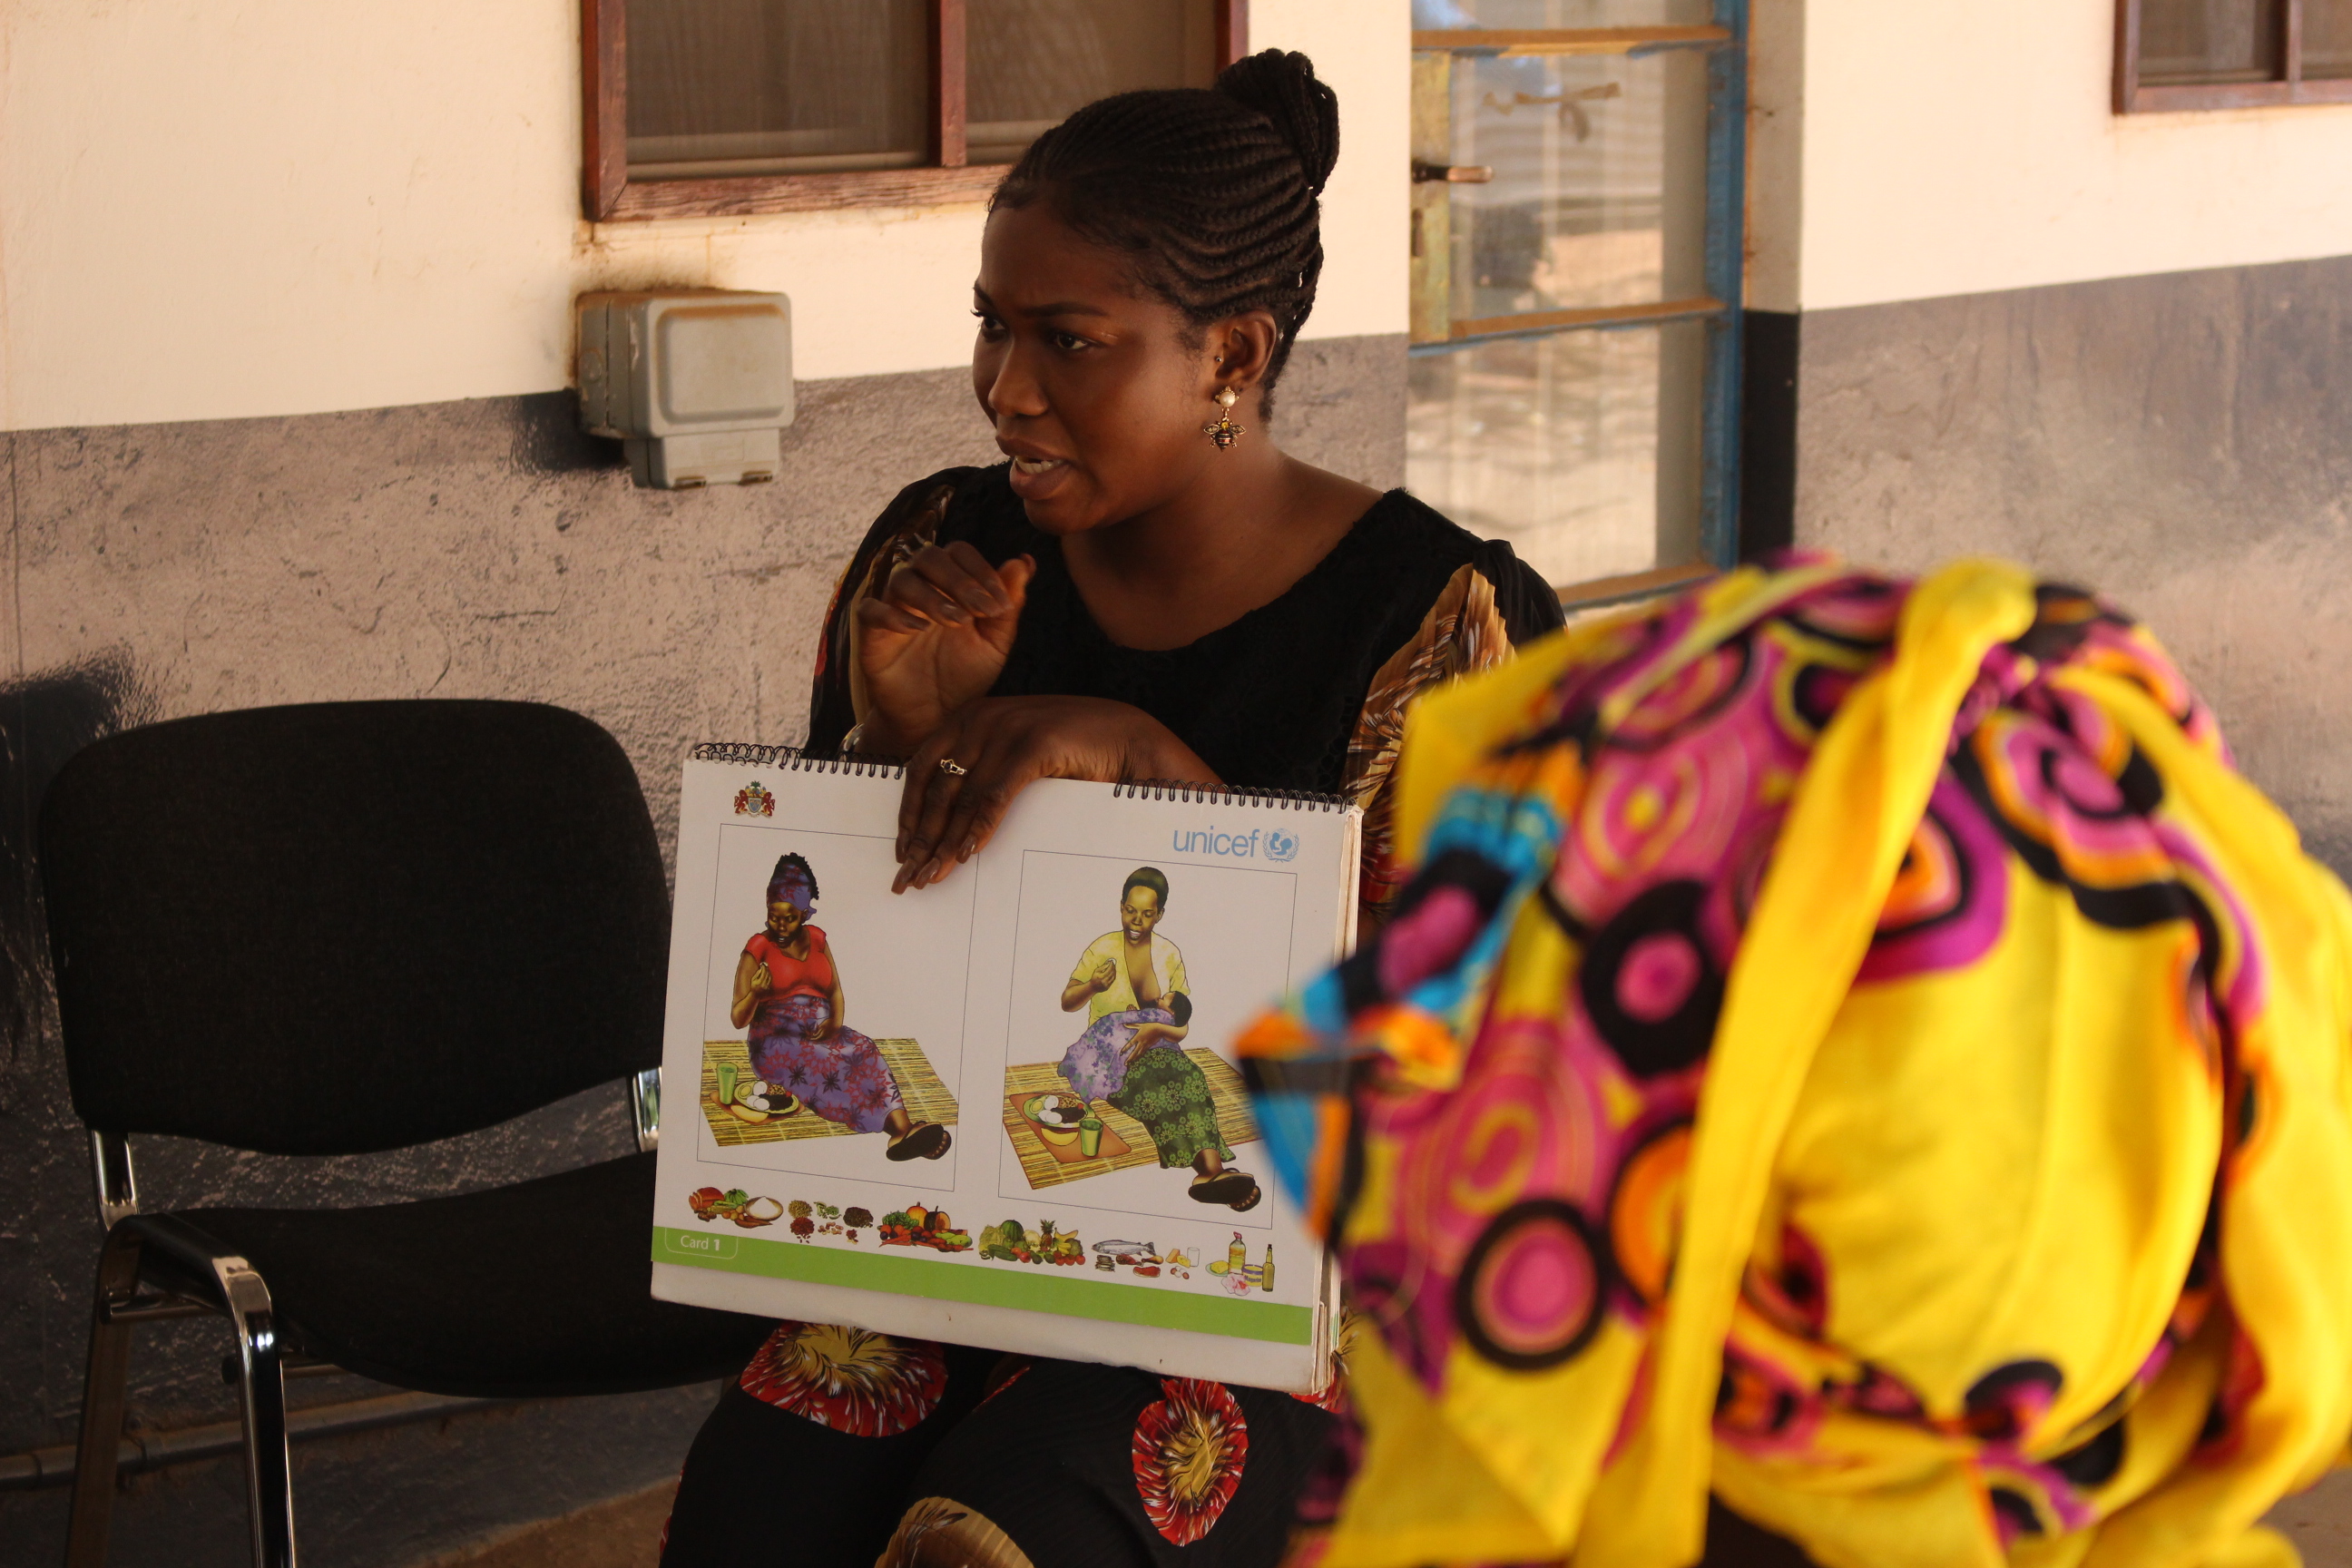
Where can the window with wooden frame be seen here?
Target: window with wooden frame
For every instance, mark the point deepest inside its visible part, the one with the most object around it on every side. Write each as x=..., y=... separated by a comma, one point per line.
x=2230, y=54
x=720, y=108
x=1577, y=241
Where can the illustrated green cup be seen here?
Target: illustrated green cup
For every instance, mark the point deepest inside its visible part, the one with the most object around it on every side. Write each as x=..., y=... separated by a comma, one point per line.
x=725, y=1083
x=1090, y=1136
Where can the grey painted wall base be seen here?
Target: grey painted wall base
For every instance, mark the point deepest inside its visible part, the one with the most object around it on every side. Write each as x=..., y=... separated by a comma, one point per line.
x=479, y=549
x=2181, y=442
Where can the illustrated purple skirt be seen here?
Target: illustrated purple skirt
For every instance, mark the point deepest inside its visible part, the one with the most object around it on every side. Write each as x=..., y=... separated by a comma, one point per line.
x=842, y=1078
x=1095, y=1063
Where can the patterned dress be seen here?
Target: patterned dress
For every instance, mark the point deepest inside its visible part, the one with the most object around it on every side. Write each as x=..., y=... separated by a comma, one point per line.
x=841, y=1077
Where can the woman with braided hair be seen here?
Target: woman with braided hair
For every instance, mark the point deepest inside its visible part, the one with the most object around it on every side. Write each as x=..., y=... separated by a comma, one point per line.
x=1149, y=588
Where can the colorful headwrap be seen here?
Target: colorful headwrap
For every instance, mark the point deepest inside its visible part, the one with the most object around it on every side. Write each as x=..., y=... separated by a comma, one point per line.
x=791, y=882
x=1853, y=1046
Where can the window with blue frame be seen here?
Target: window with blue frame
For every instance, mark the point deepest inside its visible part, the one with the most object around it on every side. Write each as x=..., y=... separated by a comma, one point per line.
x=1576, y=249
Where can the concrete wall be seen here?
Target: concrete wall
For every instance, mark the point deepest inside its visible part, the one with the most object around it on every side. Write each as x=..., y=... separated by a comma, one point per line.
x=480, y=548
x=1905, y=152
x=227, y=209
x=2181, y=442
x=1990, y=315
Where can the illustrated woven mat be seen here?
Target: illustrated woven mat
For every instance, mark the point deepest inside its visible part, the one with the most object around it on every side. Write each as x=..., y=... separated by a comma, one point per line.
x=1112, y=1146
x=1226, y=1092
x=927, y=1098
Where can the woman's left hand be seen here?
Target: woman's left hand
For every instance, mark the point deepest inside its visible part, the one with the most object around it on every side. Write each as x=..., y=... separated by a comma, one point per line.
x=1003, y=744
x=1146, y=1036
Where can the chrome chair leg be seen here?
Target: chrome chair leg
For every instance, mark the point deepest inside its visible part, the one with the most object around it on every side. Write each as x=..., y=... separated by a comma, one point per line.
x=102, y=1401
x=261, y=1382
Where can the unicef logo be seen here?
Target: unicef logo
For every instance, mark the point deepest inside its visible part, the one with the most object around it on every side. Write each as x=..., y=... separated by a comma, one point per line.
x=1281, y=846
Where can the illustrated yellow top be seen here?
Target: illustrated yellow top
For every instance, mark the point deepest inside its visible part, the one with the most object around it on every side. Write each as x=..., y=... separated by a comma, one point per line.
x=1167, y=968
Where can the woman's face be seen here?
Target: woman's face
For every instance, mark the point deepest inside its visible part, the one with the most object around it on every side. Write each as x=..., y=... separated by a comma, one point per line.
x=1087, y=379
x=783, y=919
x=1138, y=912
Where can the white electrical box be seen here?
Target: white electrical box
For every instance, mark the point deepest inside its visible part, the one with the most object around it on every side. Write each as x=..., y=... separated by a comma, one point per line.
x=696, y=382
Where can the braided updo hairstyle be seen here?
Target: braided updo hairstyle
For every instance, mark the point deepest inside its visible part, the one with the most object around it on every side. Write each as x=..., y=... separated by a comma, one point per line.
x=1208, y=193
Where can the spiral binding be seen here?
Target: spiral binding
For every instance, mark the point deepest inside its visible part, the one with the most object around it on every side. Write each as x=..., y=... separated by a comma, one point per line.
x=793, y=760
x=1228, y=795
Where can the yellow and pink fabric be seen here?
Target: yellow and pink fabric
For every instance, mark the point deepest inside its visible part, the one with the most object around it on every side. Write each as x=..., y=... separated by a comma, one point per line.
x=1853, y=1045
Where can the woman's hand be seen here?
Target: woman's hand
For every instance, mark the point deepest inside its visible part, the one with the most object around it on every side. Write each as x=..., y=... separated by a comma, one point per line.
x=1078, y=993
x=1146, y=1036
x=1002, y=743
x=752, y=983
x=934, y=639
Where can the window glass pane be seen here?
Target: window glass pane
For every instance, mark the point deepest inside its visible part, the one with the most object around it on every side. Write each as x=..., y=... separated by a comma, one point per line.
x=1031, y=62
x=751, y=87
x=1581, y=448
x=1431, y=14
x=2327, y=37
x=1598, y=194
x=2190, y=42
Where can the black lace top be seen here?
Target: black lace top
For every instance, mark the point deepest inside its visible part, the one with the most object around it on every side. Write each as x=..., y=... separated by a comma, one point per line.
x=1272, y=700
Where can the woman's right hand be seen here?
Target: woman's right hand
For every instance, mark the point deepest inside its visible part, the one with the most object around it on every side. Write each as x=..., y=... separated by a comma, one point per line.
x=934, y=638
x=999, y=746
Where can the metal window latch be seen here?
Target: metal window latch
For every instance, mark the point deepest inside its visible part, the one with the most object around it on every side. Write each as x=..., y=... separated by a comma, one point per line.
x=1452, y=173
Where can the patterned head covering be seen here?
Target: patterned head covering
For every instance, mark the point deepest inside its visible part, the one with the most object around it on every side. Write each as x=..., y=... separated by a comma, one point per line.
x=793, y=882
x=1854, y=1045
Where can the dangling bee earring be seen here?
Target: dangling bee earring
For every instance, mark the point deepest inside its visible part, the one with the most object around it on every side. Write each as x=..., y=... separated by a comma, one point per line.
x=1224, y=432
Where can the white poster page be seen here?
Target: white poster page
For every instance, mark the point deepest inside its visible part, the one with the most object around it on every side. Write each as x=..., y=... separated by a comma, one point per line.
x=1002, y=1111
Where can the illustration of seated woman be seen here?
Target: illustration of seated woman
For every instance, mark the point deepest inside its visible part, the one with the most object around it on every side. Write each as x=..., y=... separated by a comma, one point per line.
x=1132, y=983
x=788, y=996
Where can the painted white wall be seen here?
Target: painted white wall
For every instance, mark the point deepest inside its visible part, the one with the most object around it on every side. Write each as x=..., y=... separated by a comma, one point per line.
x=1965, y=149
x=220, y=208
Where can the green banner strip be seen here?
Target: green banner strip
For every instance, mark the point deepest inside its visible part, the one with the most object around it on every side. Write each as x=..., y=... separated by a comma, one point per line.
x=1031, y=1287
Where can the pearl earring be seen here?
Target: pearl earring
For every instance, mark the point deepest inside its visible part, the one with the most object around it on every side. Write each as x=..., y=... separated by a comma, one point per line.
x=1224, y=432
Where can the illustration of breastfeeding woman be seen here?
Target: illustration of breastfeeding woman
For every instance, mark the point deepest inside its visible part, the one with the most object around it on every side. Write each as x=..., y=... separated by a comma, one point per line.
x=1131, y=982
x=788, y=996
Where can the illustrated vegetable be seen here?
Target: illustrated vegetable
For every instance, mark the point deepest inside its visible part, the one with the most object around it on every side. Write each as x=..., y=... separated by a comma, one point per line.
x=826, y=1211
x=857, y=1219
x=704, y=1202
x=800, y=1210
x=804, y=1228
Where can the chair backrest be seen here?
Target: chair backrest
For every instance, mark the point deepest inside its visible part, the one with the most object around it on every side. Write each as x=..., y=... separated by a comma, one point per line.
x=351, y=926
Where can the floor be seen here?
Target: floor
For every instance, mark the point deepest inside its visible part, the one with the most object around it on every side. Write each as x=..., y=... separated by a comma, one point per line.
x=2319, y=1522
x=626, y=1532
x=623, y=1533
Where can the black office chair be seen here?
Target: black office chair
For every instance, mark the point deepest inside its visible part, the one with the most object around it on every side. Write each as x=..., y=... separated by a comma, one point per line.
x=350, y=927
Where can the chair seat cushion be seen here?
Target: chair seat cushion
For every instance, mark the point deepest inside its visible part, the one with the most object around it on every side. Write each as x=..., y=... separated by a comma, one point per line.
x=538, y=1289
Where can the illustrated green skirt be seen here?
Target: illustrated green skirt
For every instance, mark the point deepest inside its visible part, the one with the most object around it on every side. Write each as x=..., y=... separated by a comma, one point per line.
x=1165, y=1090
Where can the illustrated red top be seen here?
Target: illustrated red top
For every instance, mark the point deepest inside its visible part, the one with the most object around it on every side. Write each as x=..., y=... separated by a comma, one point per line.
x=789, y=976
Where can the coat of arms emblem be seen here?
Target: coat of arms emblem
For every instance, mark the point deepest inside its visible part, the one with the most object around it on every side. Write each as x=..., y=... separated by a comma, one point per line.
x=753, y=801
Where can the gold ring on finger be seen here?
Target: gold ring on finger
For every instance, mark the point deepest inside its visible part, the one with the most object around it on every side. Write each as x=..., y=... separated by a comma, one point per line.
x=950, y=765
